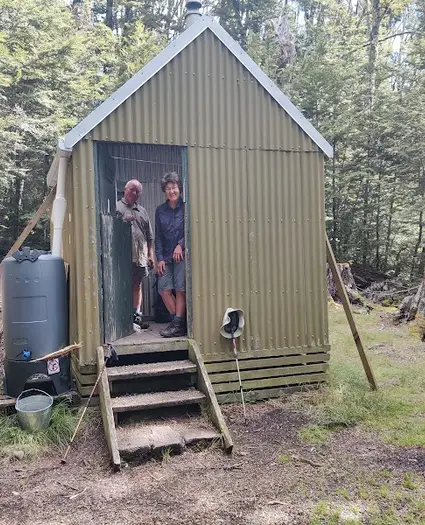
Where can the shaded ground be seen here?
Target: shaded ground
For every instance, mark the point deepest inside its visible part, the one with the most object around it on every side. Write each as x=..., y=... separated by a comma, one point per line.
x=276, y=475
x=272, y=478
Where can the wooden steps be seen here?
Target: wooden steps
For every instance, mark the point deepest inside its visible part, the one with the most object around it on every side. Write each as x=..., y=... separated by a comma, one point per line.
x=141, y=397
x=166, y=368
x=143, y=441
x=156, y=400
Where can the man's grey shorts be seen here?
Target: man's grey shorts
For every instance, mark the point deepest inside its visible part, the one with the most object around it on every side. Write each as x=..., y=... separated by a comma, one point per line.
x=174, y=277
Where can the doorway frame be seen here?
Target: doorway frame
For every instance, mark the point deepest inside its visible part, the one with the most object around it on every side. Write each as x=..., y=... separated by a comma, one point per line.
x=187, y=228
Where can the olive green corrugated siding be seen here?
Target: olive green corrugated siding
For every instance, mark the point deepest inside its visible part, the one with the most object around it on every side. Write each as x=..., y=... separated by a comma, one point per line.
x=256, y=203
x=219, y=242
x=257, y=240
x=84, y=304
x=204, y=97
x=287, y=223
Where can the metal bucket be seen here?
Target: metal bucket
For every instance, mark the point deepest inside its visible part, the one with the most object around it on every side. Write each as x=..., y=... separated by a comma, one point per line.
x=34, y=409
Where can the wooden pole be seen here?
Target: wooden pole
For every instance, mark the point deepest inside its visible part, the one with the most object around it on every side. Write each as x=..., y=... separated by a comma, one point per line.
x=342, y=292
x=46, y=204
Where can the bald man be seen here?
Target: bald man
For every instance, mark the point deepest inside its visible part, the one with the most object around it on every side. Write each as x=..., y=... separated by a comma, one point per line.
x=142, y=245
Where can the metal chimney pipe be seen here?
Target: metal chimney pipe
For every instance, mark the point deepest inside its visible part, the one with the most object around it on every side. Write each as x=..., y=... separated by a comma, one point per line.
x=193, y=13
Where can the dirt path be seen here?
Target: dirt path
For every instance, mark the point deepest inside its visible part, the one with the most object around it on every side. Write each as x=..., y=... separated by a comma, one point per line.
x=272, y=478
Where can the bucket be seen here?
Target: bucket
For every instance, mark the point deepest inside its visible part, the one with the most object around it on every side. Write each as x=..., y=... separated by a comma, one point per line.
x=34, y=409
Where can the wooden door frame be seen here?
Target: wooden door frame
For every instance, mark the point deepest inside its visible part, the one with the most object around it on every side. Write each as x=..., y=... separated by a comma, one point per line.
x=186, y=192
x=187, y=227
x=96, y=154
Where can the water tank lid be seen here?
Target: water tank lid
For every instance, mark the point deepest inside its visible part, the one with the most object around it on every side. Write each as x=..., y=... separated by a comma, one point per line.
x=27, y=254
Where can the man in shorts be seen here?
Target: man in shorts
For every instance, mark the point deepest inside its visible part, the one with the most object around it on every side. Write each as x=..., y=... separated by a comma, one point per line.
x=142, y=243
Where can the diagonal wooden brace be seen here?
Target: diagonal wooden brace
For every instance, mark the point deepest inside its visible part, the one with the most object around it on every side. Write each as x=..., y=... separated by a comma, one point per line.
x=342, y=292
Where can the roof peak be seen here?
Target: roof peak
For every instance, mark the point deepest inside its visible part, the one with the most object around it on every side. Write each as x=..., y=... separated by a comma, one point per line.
x=203, y=23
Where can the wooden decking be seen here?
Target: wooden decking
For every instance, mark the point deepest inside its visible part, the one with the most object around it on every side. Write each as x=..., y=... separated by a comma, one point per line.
x=151, y=335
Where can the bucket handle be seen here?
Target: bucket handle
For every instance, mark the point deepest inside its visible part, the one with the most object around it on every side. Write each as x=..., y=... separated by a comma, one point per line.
x=33, y=390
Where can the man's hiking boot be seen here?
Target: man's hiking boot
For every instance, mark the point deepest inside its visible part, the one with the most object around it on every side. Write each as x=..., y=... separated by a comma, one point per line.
x=174, y=329
x=137, y=319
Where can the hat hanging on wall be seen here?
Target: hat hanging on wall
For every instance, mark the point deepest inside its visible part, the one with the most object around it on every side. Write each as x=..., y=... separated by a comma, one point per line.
x=233, y=321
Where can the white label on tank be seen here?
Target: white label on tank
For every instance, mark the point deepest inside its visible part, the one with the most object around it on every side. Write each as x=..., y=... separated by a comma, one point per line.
x=53, y=366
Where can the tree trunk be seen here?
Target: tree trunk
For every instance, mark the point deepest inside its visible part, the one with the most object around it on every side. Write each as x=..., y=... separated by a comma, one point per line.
x=421, y=192
x=365, y=251
x=373, y=48
x=17, y=200
x=417, y=245
x=413, y=307
x=334, y=206
x=109, y=20
x=349, y=283
x=374, y=17
x=421, y=269
x=238, y=10
x=389, y=231
x=378, y=224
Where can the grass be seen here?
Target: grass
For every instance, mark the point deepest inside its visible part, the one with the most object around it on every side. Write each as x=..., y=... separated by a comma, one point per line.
x=284, y=459
x=314, y=434
x=378, y=499
x=410, y=482
x=166, y=455
x=397, y=409
x=396, y=413
x=326, y=514
x=13, y=439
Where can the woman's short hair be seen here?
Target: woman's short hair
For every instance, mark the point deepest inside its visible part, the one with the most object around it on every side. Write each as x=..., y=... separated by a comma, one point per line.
x=172, y=178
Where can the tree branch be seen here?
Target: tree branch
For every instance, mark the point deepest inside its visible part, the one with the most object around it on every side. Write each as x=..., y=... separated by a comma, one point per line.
x=380, y=41
x=392, y=36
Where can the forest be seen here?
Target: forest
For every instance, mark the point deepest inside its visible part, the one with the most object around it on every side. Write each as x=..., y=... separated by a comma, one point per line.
x=355, y=68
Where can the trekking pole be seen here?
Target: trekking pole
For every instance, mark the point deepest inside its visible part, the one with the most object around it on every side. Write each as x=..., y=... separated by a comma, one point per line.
x=113, y=355
x=235, y=353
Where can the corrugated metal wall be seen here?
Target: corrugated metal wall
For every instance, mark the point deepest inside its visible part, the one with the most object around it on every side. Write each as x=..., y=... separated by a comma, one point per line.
x=256, y=213
x=257, y=241
x=81, y=252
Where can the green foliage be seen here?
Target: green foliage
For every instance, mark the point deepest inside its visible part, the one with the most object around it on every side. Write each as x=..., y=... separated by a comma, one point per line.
x=137, y=47
x=356, y=72
x=56, y=64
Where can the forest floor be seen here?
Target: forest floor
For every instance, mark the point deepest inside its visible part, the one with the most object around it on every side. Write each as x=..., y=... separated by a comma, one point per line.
x=342, y=454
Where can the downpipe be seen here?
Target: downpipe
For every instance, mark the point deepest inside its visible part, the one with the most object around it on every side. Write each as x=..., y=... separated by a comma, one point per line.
x=59, y=206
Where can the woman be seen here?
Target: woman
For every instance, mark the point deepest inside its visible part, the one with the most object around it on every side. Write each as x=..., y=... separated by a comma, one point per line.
x=170, y=254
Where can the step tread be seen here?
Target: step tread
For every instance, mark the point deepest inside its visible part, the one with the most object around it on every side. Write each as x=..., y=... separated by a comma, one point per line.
x=168, y=345
x=156, y=400
x=151, y=369
x=144, y=439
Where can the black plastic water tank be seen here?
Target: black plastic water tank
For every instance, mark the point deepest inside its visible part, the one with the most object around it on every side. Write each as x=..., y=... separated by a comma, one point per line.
x=35, y=319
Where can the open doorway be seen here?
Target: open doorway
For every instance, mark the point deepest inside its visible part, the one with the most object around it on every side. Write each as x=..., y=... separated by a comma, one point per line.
x=116, y=164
